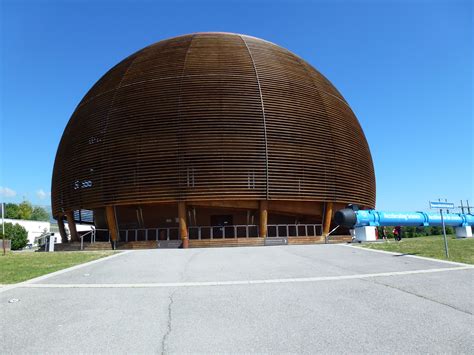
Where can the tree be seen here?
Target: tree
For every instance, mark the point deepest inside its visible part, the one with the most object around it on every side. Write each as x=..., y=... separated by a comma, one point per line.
x=25, y=210
x=11, y=210
x=409, y=232
x=17, y=234
x=39, y=214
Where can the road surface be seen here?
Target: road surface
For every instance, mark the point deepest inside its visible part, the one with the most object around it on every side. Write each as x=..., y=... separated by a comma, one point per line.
x=282, y=299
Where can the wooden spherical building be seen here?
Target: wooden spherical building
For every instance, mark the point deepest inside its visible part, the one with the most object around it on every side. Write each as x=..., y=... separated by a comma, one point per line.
x=211, y=129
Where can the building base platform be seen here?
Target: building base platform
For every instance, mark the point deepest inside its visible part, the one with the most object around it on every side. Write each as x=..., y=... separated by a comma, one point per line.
x=464, y=232
x=204, y=243
x=365, y=234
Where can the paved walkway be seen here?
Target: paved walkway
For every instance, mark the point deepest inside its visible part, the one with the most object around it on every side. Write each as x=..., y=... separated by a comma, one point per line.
x=299, y=299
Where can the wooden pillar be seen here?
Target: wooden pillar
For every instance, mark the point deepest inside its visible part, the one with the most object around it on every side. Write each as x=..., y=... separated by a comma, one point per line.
x=71, y=223
x=327, y=218
x=62, y=230
x=263, y=218
x=183, y=228
x=112, y=225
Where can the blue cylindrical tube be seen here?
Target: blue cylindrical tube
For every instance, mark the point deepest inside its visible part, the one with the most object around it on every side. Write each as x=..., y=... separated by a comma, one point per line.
x=363, y=218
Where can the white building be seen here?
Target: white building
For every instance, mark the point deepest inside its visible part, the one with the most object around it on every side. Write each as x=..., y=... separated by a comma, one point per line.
x=34, y=228
x=37, y=228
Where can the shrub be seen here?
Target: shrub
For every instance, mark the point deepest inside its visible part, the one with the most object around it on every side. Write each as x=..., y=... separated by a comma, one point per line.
x=412, y=232
x=449, y=230
x=17, y=234
x=388, y=232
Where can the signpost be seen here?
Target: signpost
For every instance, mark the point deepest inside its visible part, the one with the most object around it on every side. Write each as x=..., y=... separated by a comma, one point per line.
x=3, y=229
x=441, y=205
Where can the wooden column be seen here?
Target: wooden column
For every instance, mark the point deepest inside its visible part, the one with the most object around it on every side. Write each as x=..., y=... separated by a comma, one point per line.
x=71, y=223
x=183, y=228
x=112, y=225
x=263, y=219
x=62, y=230
x=327, y=218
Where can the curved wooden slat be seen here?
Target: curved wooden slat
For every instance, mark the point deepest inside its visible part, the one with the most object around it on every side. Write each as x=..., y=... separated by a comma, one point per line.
x=212, y=116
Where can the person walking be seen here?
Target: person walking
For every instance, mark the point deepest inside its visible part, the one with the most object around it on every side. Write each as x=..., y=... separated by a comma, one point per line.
x=383, y=233
x=397, y=232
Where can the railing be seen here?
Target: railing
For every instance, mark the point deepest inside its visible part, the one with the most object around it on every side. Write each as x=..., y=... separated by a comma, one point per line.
x=294, y=230
x=326, y=237
x=93, y=236
x=223, y=232
x=212, y=232
x=42, y=239
x=91, y=233
x=146, y=234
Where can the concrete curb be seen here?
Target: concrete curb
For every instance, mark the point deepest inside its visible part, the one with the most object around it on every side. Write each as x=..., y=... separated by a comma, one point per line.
x=407, y=255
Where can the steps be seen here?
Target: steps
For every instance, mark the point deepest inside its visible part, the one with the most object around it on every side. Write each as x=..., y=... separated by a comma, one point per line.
x=203, y=243
x=305, y=240
x=242, y=242
x=75, y=246
x=150, y=244
x=217, y=243
x=98, y=246
x=67, y=247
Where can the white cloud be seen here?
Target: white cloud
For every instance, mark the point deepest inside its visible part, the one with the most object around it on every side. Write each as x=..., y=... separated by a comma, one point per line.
x=6, y=192
x=41, y=194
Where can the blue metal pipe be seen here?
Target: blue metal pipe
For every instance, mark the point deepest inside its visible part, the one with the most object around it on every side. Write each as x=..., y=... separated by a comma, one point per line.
x=352, y=219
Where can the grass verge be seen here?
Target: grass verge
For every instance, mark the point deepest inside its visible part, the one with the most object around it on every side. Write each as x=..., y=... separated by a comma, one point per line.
x=460, y=250
x=21, y=266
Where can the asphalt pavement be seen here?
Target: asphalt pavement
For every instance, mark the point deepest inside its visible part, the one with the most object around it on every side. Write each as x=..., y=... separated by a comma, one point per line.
x=281, y=299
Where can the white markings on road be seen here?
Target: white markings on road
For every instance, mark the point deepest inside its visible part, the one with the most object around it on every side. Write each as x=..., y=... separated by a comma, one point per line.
x=4, y=288
x=245, y=282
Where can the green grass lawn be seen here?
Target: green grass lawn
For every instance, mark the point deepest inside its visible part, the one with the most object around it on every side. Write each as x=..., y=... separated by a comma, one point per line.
x=20, y=266
x=461, y=250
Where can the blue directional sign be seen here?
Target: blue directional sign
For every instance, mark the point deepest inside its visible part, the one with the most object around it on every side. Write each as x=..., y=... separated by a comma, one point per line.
x=439, y=204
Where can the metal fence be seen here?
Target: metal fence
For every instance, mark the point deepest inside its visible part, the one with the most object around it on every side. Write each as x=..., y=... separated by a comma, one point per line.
x=91, y=236
x=205, y=232
x=145, y=234
x=294, y=230
x=223, y=232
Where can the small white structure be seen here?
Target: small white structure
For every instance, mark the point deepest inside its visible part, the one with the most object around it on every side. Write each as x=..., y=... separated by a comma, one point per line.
x=34, y=228
x=365, y=234
x=51, y=241
x=464, y=232
x=81, y=227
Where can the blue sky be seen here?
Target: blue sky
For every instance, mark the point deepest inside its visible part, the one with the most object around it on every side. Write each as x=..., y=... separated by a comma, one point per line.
x=405, y=67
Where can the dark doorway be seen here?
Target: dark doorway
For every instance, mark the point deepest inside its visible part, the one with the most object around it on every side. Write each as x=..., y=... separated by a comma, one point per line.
x=219, y=223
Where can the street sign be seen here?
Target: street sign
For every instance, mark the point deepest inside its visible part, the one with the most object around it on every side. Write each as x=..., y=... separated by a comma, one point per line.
x=441, y=205
x=438, y=204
